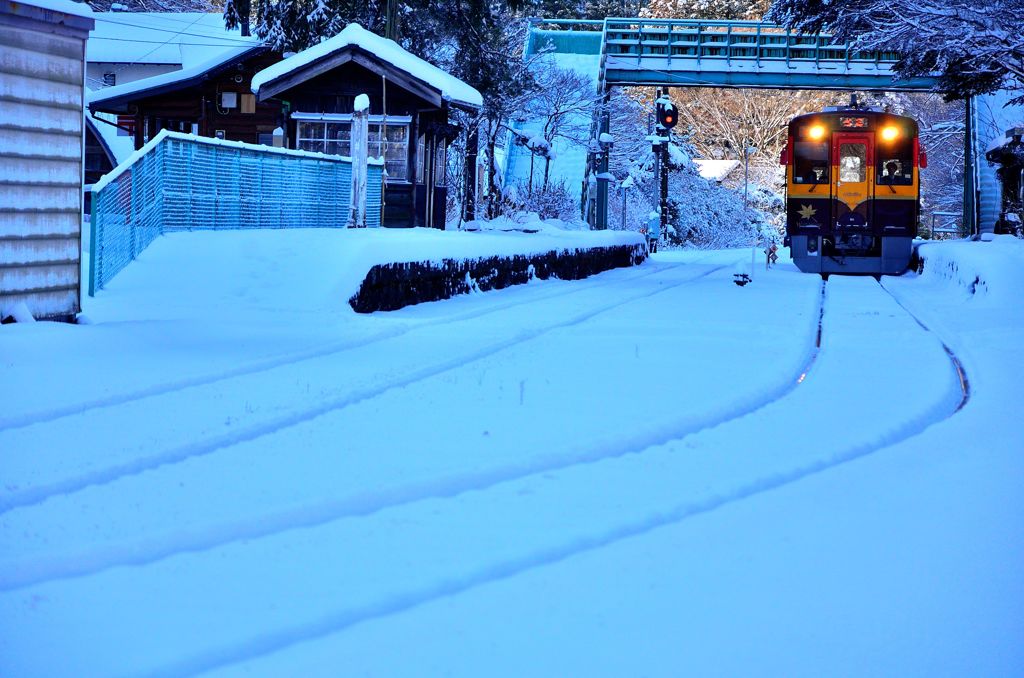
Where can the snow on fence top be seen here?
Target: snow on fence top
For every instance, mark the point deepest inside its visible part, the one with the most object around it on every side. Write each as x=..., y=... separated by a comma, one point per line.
x=164, y=134
x=166, y=79
x=448, y=85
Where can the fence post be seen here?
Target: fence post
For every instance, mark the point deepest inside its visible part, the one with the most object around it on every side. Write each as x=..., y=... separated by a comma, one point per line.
x=135, y=200
x=93, y=222
x=357, y=196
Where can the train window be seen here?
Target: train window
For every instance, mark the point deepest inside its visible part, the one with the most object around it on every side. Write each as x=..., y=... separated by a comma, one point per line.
x=852, y=161
x=895, y=163
x=810, y=162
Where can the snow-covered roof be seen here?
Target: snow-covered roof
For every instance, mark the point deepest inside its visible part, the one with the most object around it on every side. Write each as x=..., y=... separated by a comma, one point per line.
x=715, y=170
x=66, y=6
x=389, y=51
x=119, y=146
x=167, y=81
x=177, y=38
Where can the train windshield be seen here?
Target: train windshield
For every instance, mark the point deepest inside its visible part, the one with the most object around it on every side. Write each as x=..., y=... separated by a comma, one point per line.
x=852, y=163
x=895, y=162
x=810, y=162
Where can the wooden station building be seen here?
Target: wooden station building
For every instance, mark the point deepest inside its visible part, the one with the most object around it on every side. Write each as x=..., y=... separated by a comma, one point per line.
x=211, y=99
x=249, y=92
x=410, y=103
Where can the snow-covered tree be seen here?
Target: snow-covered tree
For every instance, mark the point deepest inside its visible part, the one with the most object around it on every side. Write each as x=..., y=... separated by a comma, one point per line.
x=705, y=9
x=701, y=213
x=720, y=126
x=156, y=5
x=290, y=25
x=976, y=47
x=584, y=9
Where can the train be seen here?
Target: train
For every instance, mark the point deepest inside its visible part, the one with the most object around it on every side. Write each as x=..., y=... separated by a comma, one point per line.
x=852, y=190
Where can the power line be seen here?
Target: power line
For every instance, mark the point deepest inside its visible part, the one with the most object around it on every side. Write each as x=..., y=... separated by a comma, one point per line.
x=158, y=42
x=163, y=16
x=238, y=41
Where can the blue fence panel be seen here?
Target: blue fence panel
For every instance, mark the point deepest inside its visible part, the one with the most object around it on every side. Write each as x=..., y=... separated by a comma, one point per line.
x=181, y=182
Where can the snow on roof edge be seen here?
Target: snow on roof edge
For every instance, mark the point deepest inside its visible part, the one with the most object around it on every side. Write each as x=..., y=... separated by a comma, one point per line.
x=387, y=50
x=66, y=6
x=119, y=147
x=152, y=82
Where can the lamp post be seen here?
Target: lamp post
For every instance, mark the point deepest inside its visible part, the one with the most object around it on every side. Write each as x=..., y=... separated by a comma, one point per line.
x=626, y=184
x=749, y=150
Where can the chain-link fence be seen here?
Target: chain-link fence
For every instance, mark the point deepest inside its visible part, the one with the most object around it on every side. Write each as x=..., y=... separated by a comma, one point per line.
x=181, y=182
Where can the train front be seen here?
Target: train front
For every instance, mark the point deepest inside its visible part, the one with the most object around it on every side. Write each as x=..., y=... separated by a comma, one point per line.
x=852, y=188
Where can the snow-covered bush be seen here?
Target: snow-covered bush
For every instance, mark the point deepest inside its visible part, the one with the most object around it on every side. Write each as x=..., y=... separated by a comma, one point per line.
x=553, y=201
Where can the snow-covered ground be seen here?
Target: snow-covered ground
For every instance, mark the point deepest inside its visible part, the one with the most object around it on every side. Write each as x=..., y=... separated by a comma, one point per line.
x=649, y=472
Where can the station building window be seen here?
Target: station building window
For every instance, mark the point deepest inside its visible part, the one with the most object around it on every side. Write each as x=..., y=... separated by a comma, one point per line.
x=332, y=134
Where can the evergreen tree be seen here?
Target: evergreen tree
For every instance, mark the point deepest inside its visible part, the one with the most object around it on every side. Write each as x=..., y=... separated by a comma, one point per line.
x=293, y=25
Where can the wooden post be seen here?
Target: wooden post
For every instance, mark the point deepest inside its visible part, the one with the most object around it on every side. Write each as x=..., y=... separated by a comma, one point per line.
x=360, y=149
x=970, y=218
x=469, y=176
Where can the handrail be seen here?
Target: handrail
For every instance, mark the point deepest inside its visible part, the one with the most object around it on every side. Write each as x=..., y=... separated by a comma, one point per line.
x=631, y=34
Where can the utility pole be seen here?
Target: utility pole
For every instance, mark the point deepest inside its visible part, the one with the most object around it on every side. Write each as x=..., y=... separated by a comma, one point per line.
x=390, y=19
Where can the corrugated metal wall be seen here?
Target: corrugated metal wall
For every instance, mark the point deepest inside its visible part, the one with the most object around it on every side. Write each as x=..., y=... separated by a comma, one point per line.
x=41, y=147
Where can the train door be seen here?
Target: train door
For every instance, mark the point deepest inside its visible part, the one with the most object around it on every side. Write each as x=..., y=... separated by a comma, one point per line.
x=852, y=158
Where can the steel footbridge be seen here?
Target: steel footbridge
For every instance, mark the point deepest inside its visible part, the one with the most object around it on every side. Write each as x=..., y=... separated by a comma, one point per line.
x=714, y=53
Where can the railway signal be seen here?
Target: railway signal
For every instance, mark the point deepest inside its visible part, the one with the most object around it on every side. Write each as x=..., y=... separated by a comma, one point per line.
x=666, y=112
x=667, y=115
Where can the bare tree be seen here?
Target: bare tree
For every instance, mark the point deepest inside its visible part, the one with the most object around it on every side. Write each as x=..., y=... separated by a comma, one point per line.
x=563, y=104
x=158, y=5
x=720, y=126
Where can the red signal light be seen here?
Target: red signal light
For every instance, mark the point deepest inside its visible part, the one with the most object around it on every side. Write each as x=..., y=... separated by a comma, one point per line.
x=666, y=113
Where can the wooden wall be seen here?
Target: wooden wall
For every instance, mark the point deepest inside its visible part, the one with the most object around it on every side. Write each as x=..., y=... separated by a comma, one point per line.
x=335, y=92
x=42, y=68
x=178, y=110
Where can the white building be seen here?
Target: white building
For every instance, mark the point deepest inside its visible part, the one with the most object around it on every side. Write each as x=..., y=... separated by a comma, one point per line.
x=129, y=46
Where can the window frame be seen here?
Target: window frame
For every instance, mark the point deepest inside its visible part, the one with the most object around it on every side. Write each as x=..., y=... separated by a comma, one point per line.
x=802, y=162
x=386, y=123
x=900, y=151
x=845, y=151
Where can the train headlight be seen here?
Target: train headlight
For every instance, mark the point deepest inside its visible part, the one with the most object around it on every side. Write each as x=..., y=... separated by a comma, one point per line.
x=816, y=132
x=890, y=133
